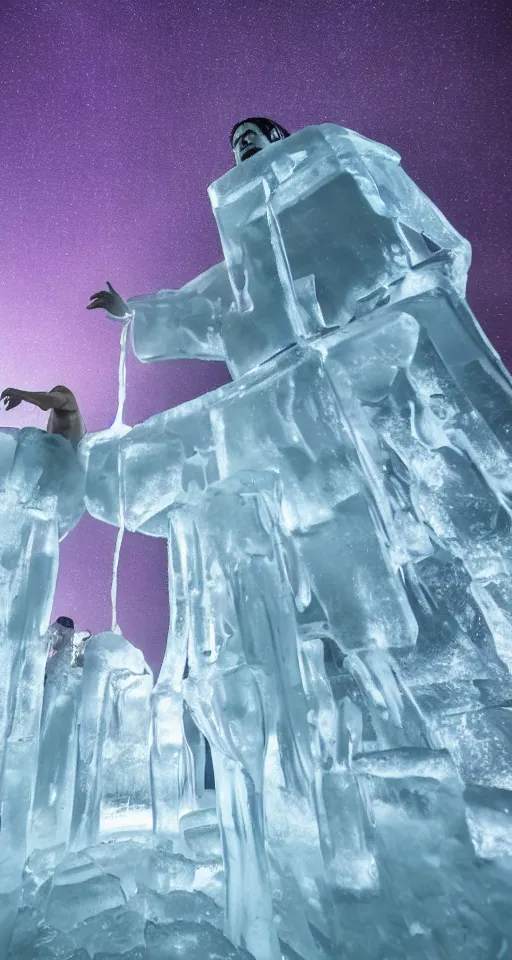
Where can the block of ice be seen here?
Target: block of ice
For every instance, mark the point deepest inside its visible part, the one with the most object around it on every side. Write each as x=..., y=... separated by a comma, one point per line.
x=428, y=815
x=173, y=779
x=126, y=796
x=196, y=311
x=71, y=902
x=108, y=658
x=237, y=689
x=45, y=472
x=42, y=487
x=195, y=941
x=33, y=939
x=99, y=456
x=117, y=929
x=203, y=842
x=209, y=879
x=54, y=791
x=163, y=871
x=121, y=858
x=489, y=819
x=177, y=905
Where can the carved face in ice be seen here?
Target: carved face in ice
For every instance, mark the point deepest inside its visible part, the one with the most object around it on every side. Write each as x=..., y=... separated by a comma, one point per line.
x=254, y=134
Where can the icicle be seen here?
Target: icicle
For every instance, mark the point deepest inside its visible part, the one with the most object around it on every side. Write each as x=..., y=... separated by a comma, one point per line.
x=121, y=389
x=113, y=590
x=117, y=426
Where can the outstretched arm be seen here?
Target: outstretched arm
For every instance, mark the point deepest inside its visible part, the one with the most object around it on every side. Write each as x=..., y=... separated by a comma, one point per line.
x=51, y=400
x=172, y=324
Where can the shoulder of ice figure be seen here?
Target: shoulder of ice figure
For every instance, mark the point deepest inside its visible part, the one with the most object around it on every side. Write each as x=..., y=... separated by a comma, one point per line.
x=341, y=138
x=158, y=295
x=212, y=285
x=214, y=277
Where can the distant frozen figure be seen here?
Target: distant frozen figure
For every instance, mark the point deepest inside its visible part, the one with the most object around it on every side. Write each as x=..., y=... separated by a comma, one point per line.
x=60, y=634
x=65, y=418
x=67, y=647
x=60, y=648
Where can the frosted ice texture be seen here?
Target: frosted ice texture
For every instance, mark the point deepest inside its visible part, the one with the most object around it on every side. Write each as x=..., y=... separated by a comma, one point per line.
x=339, y=539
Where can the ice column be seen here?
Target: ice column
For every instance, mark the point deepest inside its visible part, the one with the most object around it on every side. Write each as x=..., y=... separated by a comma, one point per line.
x=244, y=686
x=28, y=569
x=172, y=764
x=56, y=768
x=126, y=797
x=108, y=659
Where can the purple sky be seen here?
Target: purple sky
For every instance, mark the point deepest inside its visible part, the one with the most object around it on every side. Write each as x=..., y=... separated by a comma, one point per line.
x=115, y=117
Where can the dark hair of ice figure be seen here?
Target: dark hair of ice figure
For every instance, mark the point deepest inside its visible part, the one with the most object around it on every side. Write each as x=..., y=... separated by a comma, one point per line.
x=266, y=126
x=66, y=622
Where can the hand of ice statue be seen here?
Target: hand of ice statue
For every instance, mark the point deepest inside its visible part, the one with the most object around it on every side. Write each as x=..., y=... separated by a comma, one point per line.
x=109, y=300
x=11, y=397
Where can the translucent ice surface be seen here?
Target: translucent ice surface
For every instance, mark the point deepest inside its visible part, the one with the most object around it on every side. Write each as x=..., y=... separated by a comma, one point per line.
x=339, y=529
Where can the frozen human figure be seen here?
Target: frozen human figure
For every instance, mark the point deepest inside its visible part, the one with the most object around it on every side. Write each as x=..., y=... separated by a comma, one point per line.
x=60, y=645
x=67, y=647
x=60, y=634
x=65, y=418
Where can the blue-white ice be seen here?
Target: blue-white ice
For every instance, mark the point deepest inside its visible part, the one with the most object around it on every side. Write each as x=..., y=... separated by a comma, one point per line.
x=340, y=550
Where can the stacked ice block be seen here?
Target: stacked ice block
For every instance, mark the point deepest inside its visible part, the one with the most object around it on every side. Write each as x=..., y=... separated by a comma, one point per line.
x=339, y=530
x=41, y=497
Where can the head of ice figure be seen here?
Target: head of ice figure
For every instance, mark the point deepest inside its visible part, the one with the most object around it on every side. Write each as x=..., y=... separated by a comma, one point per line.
x=61, y=633
x=254, y=134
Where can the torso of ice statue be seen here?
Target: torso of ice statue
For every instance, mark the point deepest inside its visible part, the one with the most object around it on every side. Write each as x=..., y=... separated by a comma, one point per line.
x=310, y=228
x=338, y=521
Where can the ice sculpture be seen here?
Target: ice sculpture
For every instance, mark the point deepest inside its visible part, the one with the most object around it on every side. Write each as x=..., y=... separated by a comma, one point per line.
x=339, y=529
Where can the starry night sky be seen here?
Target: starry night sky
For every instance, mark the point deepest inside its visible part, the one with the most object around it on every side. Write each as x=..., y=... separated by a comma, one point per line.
x=115, y=117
